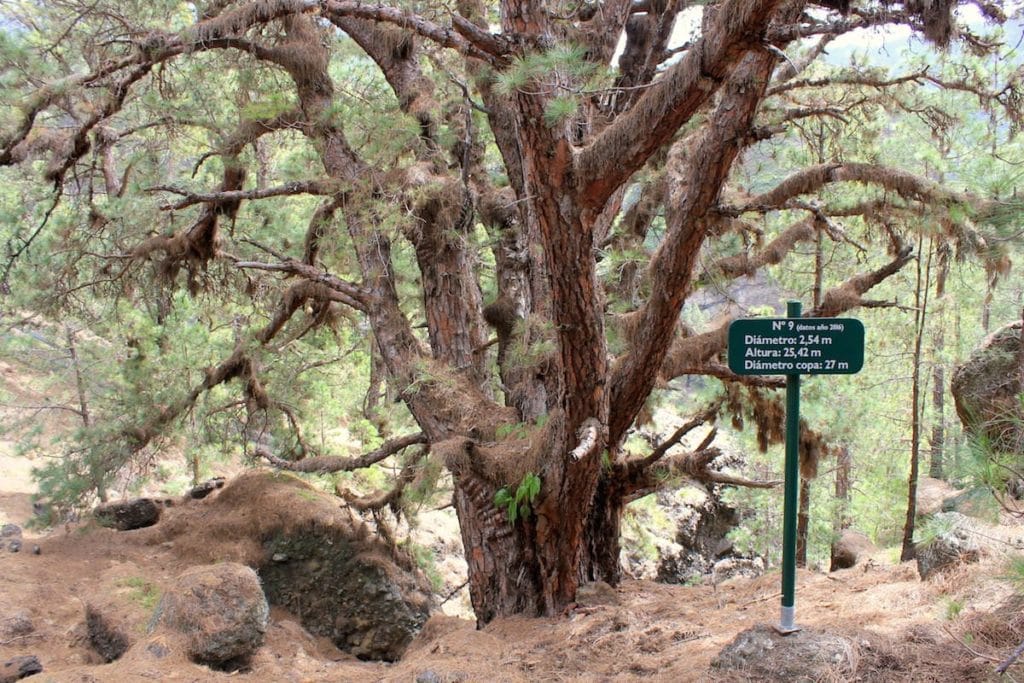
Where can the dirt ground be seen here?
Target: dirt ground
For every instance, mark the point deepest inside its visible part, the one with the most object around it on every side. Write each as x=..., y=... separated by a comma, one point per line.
x=955, y=628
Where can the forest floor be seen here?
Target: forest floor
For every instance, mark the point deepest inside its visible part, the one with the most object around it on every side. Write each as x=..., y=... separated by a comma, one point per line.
x=956, y=627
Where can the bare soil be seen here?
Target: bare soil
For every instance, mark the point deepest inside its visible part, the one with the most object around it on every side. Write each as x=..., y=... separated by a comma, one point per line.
x=956, y=627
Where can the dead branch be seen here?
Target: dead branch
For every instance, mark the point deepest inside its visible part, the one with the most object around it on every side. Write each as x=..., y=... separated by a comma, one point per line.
x=339, y=290
x=312, y=187
x=325, y=464
x=588, y=433
x=379, y=500
x=677, y=436
x=1009, y=661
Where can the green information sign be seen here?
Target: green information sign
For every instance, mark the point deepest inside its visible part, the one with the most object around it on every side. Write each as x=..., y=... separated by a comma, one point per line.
x=796, y=346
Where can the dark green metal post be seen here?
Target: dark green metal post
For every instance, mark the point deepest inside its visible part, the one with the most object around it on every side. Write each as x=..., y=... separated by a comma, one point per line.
x=792, y=481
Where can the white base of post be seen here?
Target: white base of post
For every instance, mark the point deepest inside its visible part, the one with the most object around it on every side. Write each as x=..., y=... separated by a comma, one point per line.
x=787, y=618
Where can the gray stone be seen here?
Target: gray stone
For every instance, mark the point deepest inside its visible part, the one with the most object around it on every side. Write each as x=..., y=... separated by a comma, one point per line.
x=947, y=542
x=760, y=653
x=19, y=624
x=429, y=676
x=20, y=667
x=220, y=609
x=10, y=530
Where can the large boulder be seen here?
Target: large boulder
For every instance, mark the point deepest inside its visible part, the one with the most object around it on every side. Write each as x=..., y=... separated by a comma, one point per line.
x=850, y=548
x=987, y=387
x=221, y=611
x=760, y=653
x=946, y=541
x=125, y=515
x=316, y=559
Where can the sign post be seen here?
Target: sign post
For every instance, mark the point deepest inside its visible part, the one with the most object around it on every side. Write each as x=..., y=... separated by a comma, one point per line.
x=794, y=346
x=787, y=623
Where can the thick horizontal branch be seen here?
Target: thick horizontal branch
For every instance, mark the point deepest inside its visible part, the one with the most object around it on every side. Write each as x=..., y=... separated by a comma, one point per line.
x=812, y=179
x=313, y=187
x=695, y=466
x=722, y=372
x=325, y=464
x=463, y=36
x=698, y=350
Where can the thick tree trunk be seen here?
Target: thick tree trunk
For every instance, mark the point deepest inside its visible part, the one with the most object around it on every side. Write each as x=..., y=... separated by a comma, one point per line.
x=503, y=568
x=600, y=560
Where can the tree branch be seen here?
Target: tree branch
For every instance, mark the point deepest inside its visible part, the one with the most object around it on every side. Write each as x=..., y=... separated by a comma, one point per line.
x=325, y=464
x=312, y=187
x=738, y=27
x=348, y=293
x=464, y=37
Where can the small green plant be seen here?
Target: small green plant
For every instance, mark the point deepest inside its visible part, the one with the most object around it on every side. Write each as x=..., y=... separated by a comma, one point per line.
x=934, y=528
x=141, y=592
x=1014, y=572
x=953, y=608
x=424, y=559
x=519, y=505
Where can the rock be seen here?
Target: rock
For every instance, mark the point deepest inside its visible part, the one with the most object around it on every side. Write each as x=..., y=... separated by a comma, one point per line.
x=429, y=676
x=733, y=567
x=18, y=624
x=946, y=541
x=221, y=611
x=851, y=548
x=986, y=390
x=107, y=640
x=206, y=488
x=20, y=667
x=14, y=545
x=10, y=531
x=126, y=515
x=339, y=579
x=350, y=592
x=761, y=654
x=932, y=495
x=36, y=550
x=702, y=523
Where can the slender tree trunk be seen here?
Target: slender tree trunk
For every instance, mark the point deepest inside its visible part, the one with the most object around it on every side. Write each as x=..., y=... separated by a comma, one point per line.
x=938, y=438
x=83, y=407
x=803, y=516
x=803, y=522
x=841, y=522
x=921, y=305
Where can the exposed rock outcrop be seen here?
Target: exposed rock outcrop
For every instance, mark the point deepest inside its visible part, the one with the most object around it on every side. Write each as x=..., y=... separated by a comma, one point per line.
x=761, y=654
x=948, y=542
x=987, y=387
x=315, y=558
x=221, y=611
